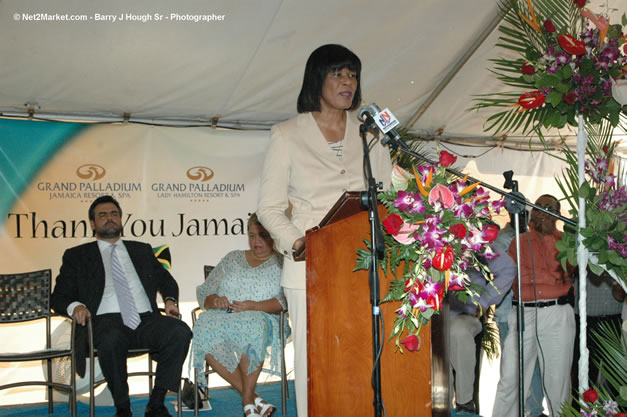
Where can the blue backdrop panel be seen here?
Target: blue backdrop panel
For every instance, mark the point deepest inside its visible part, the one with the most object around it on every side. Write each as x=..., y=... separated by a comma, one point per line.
x=25, y=146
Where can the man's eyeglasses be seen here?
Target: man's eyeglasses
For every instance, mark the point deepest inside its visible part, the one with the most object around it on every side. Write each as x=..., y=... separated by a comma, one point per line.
x=549, y=207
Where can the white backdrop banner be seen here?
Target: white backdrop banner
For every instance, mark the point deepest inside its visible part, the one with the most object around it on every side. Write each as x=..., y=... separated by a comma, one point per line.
x=192, y=189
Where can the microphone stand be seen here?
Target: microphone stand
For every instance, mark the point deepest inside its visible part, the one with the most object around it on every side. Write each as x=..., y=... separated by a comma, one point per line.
x=514, y=207
x=514, y=203
x=377, y=250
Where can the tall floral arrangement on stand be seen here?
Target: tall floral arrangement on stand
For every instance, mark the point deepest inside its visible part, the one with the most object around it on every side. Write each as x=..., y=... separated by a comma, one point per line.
x=605, y=192
x=569, y=60
x=571, y=69
x=437, y=225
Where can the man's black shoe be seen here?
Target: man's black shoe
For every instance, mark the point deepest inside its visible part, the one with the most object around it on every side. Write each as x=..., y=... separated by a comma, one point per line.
x=466, y=409
x=123, y=412
x=160, y=411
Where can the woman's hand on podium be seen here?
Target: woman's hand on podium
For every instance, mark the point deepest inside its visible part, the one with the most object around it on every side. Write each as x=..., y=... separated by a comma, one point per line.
x=298, y=250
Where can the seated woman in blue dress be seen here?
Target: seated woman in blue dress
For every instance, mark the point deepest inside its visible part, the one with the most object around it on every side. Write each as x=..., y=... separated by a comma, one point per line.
x=239, y=328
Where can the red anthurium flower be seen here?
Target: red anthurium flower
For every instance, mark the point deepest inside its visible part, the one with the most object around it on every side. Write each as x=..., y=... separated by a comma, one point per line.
x=458, y=230
x=489, y=232
x=446, y=159
x=570, y=98
x=415, y=287
x=528, y=69
x=571, y=45
x=549, y=26
x=590, y=396
x=411, y=342
x=392, y=224
x=443, y=258
x=580, y=3
x=436, y=300
x=531, y=100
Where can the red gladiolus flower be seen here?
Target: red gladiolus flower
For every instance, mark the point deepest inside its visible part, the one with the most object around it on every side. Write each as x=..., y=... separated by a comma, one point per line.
x=392, y=224
x=549, y=26
x=570, y=98
x=620, y=415
x=489, y=232
x=571, y=45
x=531, y=100
x=590, y=396
x=446, y=159
x=458, y=230
x=411, y=342
x=580, y=3
x=443, y=258
x=528, y=69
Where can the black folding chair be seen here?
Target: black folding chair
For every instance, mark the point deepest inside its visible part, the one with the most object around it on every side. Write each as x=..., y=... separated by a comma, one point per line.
x=26, y=297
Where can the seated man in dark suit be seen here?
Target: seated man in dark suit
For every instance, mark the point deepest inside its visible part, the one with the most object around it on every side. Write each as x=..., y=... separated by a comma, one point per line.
x=115, y=282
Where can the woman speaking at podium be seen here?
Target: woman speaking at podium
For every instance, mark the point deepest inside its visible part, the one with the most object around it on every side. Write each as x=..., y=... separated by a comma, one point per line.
x=310, y=161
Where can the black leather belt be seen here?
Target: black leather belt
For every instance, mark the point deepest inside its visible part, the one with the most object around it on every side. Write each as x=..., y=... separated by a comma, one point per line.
x=538, y=304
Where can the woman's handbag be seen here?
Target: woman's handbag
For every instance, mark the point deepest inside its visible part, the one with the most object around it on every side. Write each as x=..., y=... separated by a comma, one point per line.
x=187, y=395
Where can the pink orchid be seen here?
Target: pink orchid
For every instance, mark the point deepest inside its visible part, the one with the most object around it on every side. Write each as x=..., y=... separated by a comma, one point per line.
x=429, y=289
x=405, y=236
x=441, y=194
x=422, y=304
x=474, y=239
x=402, y=311
x=599, y=21
x=457, y=282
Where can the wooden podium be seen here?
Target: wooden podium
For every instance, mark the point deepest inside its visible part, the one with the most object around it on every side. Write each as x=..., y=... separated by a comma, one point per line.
x=339, y=331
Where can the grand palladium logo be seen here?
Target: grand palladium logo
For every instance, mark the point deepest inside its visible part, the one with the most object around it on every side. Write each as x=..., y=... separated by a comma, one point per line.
x=200, y=189
x=199, y=173
x=90, y=172
x=90, y=188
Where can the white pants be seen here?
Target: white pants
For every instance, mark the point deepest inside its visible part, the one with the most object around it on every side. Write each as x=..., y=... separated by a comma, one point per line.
x=297, y=306
x=555, y=339
x=464, y=329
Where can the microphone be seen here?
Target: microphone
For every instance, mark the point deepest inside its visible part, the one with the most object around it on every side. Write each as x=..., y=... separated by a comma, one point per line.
x=384, y=121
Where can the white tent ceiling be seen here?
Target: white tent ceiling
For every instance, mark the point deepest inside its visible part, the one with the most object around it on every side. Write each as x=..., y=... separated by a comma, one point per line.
x=246, y=69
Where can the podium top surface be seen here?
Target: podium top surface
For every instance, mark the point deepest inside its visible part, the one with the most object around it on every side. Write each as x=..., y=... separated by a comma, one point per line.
x=347, y=205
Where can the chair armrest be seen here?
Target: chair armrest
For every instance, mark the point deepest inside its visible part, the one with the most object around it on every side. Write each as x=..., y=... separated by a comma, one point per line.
x=195, y=313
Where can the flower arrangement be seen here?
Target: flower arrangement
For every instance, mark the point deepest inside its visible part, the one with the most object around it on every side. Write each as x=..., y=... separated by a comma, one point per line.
x=437, y=225
x=592, y=407
x=570, y=60
x=609, y=400
x=605, y=233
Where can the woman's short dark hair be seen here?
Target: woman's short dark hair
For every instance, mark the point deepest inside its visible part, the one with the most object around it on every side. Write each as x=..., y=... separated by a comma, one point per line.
x=101, y=200
x=253, y=220
x=323, y=60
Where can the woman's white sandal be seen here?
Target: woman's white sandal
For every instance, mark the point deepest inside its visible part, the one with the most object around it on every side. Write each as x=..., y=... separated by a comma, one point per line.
x=264, y=406
x=252, y=409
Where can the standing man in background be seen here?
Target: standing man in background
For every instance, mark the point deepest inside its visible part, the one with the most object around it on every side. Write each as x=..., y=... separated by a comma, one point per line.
x=549, y=320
